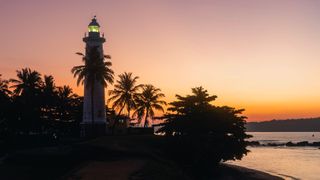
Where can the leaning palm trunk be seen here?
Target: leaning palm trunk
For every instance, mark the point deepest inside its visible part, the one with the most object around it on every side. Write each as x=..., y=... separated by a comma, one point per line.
x=146, y=118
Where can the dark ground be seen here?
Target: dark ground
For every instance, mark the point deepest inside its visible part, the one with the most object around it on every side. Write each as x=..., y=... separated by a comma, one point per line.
x=111, y=157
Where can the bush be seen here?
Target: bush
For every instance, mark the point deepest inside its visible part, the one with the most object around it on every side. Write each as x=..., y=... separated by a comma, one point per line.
x=200, y=134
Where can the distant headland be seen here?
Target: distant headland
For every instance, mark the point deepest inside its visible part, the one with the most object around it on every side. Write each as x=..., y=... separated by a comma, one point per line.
x=287, y=125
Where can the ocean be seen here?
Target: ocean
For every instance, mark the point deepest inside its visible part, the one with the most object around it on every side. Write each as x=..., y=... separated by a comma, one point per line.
x=287, y=162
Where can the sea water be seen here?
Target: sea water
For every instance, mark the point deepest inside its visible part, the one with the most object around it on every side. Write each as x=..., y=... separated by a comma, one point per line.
x=287, y=162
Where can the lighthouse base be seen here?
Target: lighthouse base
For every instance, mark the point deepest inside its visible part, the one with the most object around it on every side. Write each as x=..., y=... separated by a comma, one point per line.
x=92, y=130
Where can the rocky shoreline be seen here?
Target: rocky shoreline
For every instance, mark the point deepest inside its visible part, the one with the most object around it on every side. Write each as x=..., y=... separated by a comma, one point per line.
x=287, y=144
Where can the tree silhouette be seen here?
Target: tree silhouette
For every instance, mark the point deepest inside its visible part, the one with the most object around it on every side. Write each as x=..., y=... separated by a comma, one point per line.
x=48, y=97
x=68, y=111
x=28, y=82
x=5, y=103
x=124, y=92
x=37, y=105
x=4, y=88
x=95, y=70
x=65, y=99
x=199, y=100
x=123, y=95
x=27, y=90
x=49, y=88
x=147, y=101
x=203, y=134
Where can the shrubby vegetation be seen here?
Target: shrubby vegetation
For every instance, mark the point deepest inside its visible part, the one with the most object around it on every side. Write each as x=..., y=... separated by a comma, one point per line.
x=200, y=134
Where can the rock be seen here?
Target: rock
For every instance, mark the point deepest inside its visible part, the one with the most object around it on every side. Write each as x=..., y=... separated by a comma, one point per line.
x=273, y=144
x=316, y=143
x=303, y=143
x=290, y=144
x=253, y=143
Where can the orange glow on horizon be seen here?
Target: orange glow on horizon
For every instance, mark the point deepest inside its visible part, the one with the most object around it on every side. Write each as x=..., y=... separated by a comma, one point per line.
x=262, y=56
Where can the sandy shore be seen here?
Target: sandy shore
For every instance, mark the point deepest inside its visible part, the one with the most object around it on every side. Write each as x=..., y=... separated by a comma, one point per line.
x=133, y=169
x=239, y=172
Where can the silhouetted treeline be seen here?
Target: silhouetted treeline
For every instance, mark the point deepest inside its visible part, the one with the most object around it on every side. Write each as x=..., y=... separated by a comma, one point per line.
x=33, y=104
x=289, y=125
x=200, y=134
x=141, y=99
x=126, y=97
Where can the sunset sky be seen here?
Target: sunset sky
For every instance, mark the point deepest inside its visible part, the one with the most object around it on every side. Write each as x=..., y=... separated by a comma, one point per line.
x=263, y=56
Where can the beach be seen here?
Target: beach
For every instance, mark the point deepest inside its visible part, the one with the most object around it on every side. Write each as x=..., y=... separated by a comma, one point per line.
x=137, y=169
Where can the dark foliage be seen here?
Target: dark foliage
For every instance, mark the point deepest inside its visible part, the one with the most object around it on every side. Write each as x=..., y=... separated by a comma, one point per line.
x=5, y=104
x=143, y=99
x=200, y=134
x=147, y=102
x=123, y=97
x=34, y=105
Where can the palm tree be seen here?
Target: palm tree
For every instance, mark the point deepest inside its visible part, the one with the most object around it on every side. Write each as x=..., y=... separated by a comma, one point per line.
x=123, y=95
x=65, y=100
x=4, y=100
x=49, y=87
x=148, y=101
x=4, y=88
x=27, y=89
x=28, y=82
x=65, y=92
x=95, y=70
x=49, y=93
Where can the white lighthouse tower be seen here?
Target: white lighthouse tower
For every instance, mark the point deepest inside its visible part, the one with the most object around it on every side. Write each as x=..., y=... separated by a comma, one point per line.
x=94, y=124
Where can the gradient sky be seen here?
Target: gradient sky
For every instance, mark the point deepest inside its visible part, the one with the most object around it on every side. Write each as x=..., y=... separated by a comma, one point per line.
x=263, y=56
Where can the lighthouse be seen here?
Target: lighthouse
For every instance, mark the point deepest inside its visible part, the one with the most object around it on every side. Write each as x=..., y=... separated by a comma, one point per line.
x=94, y=112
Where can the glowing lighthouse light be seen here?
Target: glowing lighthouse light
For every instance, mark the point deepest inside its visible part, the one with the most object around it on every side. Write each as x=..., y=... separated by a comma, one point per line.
x=94, y=26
